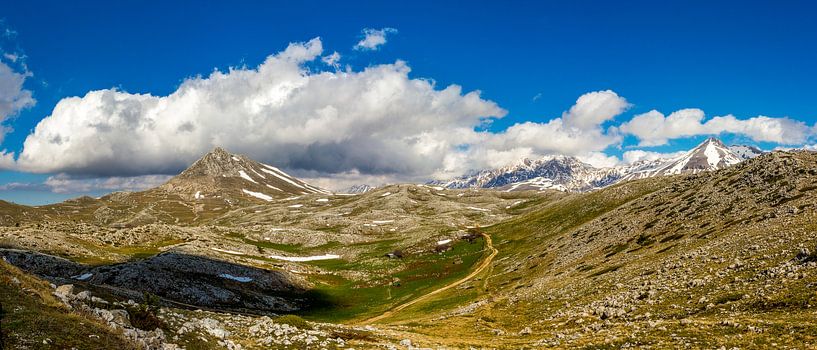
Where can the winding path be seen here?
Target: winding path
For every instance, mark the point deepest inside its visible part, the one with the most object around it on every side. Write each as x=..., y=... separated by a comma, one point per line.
x=482, y=266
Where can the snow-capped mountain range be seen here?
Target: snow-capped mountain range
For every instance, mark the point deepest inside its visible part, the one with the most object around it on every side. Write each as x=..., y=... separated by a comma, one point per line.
x=356, y=189
x=567, y=173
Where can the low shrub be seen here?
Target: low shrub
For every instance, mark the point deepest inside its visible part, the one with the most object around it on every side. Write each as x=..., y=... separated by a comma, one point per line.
x=293, y=321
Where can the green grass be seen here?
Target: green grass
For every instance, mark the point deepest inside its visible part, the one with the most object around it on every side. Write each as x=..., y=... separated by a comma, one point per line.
x=343, y=300
x=32, y=318
x=294, y=321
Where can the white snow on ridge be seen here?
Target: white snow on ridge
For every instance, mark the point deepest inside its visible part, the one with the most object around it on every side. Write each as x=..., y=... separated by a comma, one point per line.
x=245, y=176
x=227, y=251
x=258, y=195
x=478, y=209
x=274, y=188
x=305, y=258
x=382, y=221
x=235, y=278
x=273, y=173
x=385, y=194
x=296, y=206
x=259, y=174
x=322, y=200
x=316, y=189
x=445, y=241
x=198, y=195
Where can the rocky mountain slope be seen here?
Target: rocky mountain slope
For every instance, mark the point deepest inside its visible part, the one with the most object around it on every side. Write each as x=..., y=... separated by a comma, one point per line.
x=214, y=185
x=722, y=258
x=565, y=173
x=224, y=175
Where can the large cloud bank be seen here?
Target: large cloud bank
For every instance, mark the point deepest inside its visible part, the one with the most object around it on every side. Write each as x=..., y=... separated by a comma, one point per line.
x=13, y=96
x=295, y=111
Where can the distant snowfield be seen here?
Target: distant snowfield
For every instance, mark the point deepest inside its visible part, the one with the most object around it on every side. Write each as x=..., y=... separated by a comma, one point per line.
x=295, y=206
x=382, y=221
x=258, y=195
x=445, y=241
x=478, y=209
x=322, y=200
x=235, y=278
x=82, y=277
x=227, y=251
x=305, y=258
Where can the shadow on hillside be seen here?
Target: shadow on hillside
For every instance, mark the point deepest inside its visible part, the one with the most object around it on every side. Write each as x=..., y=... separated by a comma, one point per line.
x=181, y=280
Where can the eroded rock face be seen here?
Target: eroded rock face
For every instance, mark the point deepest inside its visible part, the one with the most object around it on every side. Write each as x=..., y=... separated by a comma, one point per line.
x=41, y=264
x=187, y=279
x=203, y=282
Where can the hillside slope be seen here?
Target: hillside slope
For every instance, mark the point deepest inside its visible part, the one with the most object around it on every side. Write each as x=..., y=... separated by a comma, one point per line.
x=718, y=258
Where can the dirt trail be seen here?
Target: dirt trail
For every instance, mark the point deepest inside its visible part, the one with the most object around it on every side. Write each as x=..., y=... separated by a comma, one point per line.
x=482, y=266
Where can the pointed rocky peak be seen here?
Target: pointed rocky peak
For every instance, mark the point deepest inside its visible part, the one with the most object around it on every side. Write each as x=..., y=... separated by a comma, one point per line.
x=217, y=162
x=712, y=154
x=222, y=174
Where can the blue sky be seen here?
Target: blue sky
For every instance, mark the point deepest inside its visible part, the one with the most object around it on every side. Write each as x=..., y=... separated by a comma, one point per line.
x=532, y=59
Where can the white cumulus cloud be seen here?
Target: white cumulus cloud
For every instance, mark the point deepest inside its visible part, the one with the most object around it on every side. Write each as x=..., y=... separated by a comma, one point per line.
x=374, y=38
x=653, y=128
x=375, y=121
x=595, y=108
x=579, y=132
x=13, y=96
x=638, y=155
x=335, y=128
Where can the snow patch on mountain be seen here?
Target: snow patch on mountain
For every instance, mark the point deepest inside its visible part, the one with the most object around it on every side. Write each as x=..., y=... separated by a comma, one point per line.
x=746, y=152
x=258, y=195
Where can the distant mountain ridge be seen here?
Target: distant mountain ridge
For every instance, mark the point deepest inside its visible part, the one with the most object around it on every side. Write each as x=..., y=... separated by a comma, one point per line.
x=566, y=173
x=220, y=173
x=357, y=189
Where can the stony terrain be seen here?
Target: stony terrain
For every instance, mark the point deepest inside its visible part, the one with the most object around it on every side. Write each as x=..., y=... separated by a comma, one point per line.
x=724, y=258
